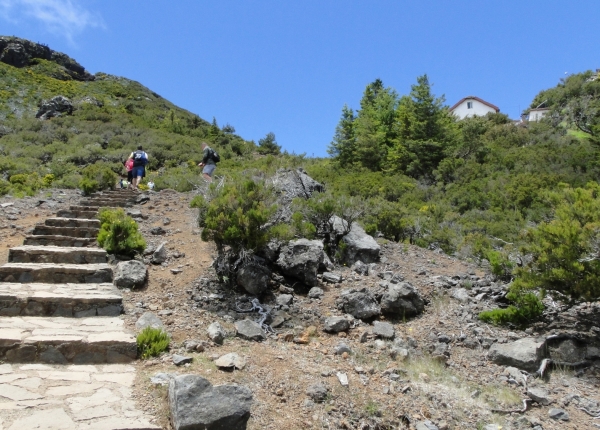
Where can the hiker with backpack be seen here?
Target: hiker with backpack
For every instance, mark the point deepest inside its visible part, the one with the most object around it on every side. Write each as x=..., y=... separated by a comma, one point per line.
x=140, y=159
x=210, y=158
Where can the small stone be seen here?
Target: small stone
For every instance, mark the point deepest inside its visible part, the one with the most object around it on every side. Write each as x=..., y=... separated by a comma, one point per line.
x=426, y=425
x=284, y=299
x=317, y=392
x=178, y=360
x=336, y=324
x=341, y=348
x=216, y=333
x=444, y=338
x=558, y=414
x=539, y=395
x=383, y=329
x=158, y=231
x=161, y=378
x=332, y=278
x=316, y=293
x=148, y=319
x=230, y=361
x=343, y=378
x=250, y=330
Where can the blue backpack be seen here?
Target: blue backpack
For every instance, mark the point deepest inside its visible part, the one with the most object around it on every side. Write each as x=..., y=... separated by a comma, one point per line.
x=139, y=158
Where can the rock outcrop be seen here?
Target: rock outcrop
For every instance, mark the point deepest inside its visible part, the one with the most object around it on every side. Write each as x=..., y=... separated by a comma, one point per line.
x=56, y=106
x=359, y=246
x=290, y=184
x=301, y=259
x=402, y=300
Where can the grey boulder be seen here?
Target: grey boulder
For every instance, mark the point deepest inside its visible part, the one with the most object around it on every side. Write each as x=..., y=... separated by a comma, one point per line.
x=253, y=278
x=56, y=106
x=317, y=392
x=336, y=324
x=360, y=304
x=301, y=259
x=250, y=330
x=402, y=300
x=130, y=274
x=148, y=319
x=525, y=353
x=383, y=329
x=196, y=404
x=360, y=246
x=216, y=333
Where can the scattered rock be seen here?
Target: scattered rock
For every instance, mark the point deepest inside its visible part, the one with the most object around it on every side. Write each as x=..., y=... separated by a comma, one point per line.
x=360, y=246
x=539, y=395
x=402, y=300
x=250, y=330
x=558, y=414
x=360, y=304
x=158, y=231
x=291, y=184
x=525, y=353
x=383, y=329
x=179, y=360
x=318, y=392
x=284, y=299
x=426, y=425
x=230, y=361
x=253, y=278
x=301, y=259
x=56, y=106
x=316, y=293
x=461, y=295
x=130, y=274
x=216, y=333
x=161, y=378
x=148, y=319
x=360, y=268
x=160, y=255
x=332, y=278
x=336, y=324
x=343, y=378
x=223, y=406
x=341, y=348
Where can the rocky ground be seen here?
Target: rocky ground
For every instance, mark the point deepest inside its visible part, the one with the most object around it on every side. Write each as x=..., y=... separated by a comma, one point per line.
x=431, y=371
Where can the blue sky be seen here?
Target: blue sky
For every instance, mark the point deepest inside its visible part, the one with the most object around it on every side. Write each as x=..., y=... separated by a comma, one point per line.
x=288, y=67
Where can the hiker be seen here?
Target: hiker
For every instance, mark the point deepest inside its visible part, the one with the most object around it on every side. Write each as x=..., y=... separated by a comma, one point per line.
x=209, y=161
x=140, y=159
x=129, y=168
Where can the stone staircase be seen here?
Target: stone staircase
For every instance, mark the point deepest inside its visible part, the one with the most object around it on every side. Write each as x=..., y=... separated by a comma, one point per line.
x=63, y=344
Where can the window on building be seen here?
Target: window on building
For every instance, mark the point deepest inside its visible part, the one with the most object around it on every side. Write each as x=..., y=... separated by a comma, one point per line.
x=469, y=105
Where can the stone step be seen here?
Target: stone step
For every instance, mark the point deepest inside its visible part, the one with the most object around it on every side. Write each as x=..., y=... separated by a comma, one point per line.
x=106, y=203
x=71, y=397
x=60, y=300
x=46, y=230
x=84, y=208
x=65, y=340
x=57, y=240
x=67, y=213
x=72, y=222
x=56, y=273
x=56, y=254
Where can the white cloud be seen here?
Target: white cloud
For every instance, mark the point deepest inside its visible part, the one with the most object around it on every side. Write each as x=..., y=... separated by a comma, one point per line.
x=62, y=17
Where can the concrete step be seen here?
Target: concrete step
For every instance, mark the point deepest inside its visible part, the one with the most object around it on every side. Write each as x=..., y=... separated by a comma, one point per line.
x=57, y=240
x=45, y=230
x=56, y=254
x=56, y=273
x=60, y=300
x=65, y=340
x=67, y=213
x=72, y=222
x=106, y=203
x=71, y=397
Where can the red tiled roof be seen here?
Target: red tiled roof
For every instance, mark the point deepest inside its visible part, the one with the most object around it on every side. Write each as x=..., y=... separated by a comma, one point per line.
x=496, y=108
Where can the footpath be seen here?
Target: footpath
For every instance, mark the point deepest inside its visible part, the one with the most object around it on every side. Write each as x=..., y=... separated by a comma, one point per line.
x=64, y=351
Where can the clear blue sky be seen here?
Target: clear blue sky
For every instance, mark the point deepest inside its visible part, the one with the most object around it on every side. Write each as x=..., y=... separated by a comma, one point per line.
x=289, y=66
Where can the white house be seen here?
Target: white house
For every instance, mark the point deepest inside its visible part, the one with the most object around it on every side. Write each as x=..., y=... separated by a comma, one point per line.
x=537, y=114
x=471, y=106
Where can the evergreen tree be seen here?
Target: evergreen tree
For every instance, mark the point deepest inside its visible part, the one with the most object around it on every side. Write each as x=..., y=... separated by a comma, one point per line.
x=343, y=146
x=268, y=145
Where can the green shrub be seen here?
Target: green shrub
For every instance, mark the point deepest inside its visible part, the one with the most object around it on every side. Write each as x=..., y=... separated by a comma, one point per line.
x=119, y=233
x=500, y=264
x=4, y=187
x=200, y=203
x=151, y=342
x=528, y=306
x=97, y=177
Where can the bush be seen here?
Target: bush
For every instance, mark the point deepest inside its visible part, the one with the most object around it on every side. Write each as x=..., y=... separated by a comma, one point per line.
x=97, y=177
x=119, y=233
x=200, y=203
x=151, y=342
x=528, y=306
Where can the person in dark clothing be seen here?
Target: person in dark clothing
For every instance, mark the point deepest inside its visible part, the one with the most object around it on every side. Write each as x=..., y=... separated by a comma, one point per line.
x=140, y=159
x=208, y=164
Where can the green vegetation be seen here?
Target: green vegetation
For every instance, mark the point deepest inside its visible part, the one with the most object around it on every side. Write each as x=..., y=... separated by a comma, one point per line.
x=119, y=233
x=97, y=177
x=151, y=342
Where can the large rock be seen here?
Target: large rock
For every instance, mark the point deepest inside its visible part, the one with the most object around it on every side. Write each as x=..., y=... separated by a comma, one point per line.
x=250, y=330
x=253, y=278
x=148, y=319
x=300, y=259
x=360, y=304
x=290, y=184
x=130, y=274
x=402, y=300
x=525, y=353
x=216, y=333
x=56, y=106
x=195, y=404
x=336, y=324
x=360, y=246
x=383, y=329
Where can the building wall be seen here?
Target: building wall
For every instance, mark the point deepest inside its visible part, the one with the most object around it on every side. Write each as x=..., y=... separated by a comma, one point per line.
x=478, y=108
x=537, y=114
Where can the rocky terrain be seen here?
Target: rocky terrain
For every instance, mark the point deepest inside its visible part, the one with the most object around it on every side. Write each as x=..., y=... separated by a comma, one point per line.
x=336, y=354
